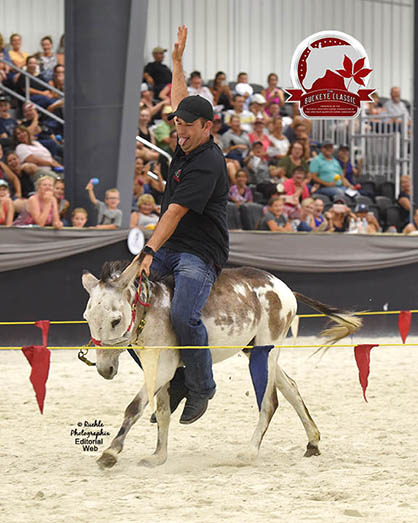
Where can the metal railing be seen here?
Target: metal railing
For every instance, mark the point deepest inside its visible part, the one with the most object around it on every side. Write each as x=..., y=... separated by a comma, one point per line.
x=382, y=145
x=26, y=98
x=154, y=147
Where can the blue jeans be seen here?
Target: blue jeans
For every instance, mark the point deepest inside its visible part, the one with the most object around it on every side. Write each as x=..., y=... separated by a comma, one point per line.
x=331, y=191
x=193, y=280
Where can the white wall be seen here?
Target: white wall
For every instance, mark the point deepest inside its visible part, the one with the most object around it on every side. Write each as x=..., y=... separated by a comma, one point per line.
x=33, y=19
x=258, y=36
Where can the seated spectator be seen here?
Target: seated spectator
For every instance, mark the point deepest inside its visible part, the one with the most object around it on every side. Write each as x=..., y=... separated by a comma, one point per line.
x=25, y=172
x=275, y=219
x=240, y=192
x=172, y=145
x=258, y=134
x=61, y=51
x=4, y=68
x=236, y=142
x=63, y=204
x=321, y=223
x=404, y=199
x=264, y=176
x=299, y=130
x=4, y=51
x=79, y=217
x=257, y=106
x=215, y=131
x=163, y=129
x=412, y=227
x=146, y=133
x=41, y=208
x=196, y=87
x=369, y=223
x=243, y=88
x=28, y=150
x=39, y=93
x=306, y=221
x=40, y=130
x=147, y=100
x=221, y=93
x=47, y=59
x=7, y=123
x=247, y=118
x=395, y=108
x=10, y=177
x=326, y=172
x=17, y=56
x=273, y=94
x=295, y=191
x=6, y=205
x=350, y=173
x=57, y=107
x=279, y=143
x=108, y=214
x=375, y=107
x=339, y=217
x=294, y=158
x=157, y=74
x=145, y=218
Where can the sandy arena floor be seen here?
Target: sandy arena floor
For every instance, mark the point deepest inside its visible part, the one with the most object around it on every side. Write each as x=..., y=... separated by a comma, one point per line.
x=368, y=470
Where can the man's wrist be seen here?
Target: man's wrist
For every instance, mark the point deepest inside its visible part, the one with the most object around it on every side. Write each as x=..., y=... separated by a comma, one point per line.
x=148, y=250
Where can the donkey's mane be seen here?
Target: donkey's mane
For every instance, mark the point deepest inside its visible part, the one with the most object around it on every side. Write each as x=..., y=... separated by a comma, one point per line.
x=113, y=269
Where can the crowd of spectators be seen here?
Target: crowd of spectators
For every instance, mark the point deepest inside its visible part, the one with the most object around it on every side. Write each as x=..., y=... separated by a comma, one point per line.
x=272, y=161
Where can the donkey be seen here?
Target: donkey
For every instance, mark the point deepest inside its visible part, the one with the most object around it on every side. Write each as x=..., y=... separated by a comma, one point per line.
x=246, y=306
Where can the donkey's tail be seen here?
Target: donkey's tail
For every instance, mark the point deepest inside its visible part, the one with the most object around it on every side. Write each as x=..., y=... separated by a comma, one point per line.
x=346, y=323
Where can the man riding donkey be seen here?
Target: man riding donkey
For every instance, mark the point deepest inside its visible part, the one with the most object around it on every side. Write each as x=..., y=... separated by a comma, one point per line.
x=191, y=240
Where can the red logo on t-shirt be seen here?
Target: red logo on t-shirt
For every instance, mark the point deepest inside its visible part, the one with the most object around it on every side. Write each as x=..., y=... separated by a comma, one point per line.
x=176, y=176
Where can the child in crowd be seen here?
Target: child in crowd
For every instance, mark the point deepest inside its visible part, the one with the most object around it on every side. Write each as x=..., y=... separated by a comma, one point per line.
x=108, y=215
x=145, y=217
x=6, y=205
x=321, y=223
x=274, y=219
x=79, y=217
x=240, y=192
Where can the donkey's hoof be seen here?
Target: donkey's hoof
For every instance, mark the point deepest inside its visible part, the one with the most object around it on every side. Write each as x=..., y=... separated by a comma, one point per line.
x=152, y=461
x=248, y=456
x=107, y=459
x=311, y=450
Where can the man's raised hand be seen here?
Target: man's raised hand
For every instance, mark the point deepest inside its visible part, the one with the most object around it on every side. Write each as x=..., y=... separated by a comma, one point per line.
x=179, y=46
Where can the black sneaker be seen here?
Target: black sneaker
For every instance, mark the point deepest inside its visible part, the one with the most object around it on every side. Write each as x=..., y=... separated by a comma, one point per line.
x=178, y=391
x=194, y=409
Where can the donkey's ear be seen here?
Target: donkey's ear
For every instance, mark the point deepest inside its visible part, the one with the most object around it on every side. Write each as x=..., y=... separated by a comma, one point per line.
x=128, y=275
x=89, y=281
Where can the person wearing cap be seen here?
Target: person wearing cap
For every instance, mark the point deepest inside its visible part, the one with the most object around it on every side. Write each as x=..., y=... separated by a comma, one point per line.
x=326, y=171
x=163, y=129
x=156, y=73
x=191, y=240
x=368, y=219
x=6, y=205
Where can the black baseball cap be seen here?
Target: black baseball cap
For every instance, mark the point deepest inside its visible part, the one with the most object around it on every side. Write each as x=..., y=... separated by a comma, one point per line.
x=193, y=107
x=4, y=98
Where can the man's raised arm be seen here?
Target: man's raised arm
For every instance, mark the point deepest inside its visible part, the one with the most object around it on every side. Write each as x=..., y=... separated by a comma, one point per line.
x=178, y=84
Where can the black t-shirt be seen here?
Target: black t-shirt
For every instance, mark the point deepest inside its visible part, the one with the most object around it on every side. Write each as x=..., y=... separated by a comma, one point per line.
x=199, y=181
x=20, y=84
x=160, y=73
x=404, y=214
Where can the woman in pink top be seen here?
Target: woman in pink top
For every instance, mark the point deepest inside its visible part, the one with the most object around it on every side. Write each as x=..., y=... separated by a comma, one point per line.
x=41, y=208
x=29, y=150
x=272, y=93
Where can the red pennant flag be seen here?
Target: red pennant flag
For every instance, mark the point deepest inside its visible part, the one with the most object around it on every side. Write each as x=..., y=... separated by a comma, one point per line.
x=404, y=324
x=362, y=355
x=39, y=359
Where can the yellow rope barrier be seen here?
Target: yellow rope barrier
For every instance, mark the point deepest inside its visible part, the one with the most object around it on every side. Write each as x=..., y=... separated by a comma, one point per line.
x=220, y=346
x=368, y=313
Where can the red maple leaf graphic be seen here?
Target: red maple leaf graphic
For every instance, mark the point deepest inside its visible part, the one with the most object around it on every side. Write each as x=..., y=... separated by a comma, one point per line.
x=357, y=72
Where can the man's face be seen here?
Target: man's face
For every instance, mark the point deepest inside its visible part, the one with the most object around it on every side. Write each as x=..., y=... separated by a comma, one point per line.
x=31, y=66
x=300, y=131
x=196, y=82
x=343, y=155
x=16, y=42
x=243, y=78
x=258, y=151
x=327, y=151
x=298, y=178
x=4, y=108
x=158, y=57
x=238, y=104
x=395, y=93
x=191, y=135
x=235, y=123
